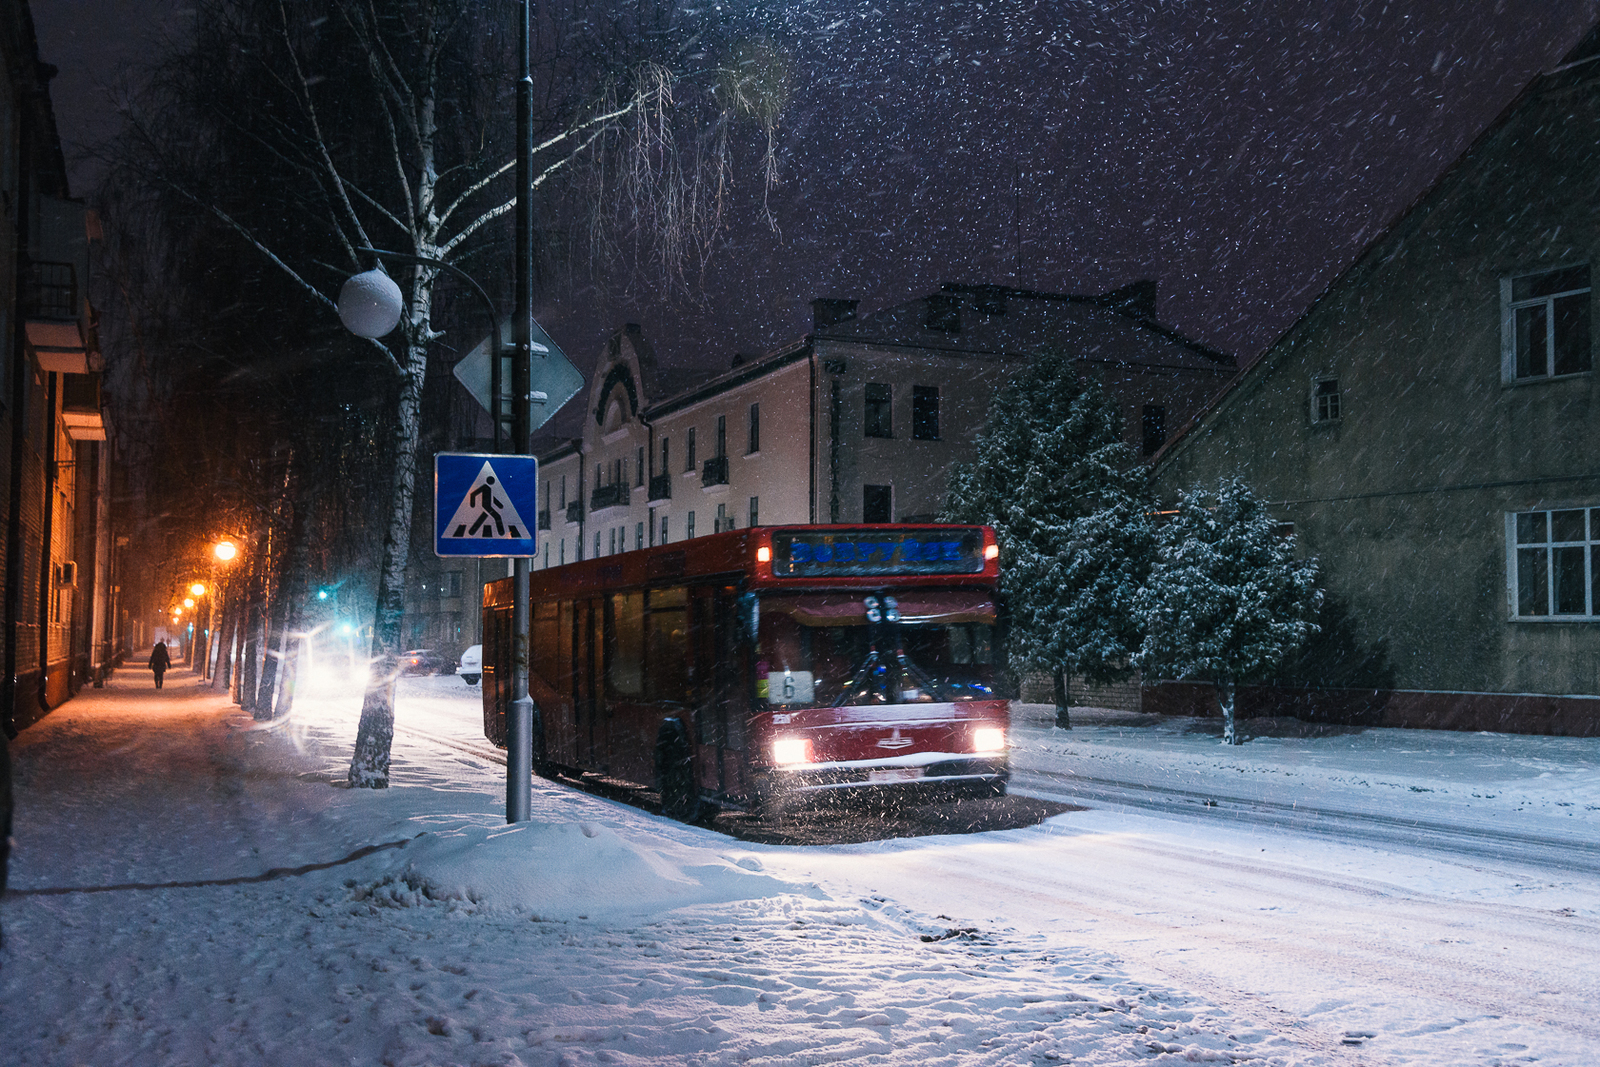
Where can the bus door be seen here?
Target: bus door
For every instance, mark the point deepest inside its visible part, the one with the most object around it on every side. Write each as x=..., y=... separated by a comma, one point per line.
x=718, y=694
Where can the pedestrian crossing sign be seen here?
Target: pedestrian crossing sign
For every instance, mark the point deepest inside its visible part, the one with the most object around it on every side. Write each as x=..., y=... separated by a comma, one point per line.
x=485, y=505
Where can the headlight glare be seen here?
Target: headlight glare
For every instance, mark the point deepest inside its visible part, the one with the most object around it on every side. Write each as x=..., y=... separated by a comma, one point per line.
x=988, y=739
x=790, y=750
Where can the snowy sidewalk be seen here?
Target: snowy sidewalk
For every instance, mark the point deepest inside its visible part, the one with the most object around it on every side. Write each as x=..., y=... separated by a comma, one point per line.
x=597, y=933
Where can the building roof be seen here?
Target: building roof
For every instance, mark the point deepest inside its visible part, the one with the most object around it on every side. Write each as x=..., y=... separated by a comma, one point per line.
x=1578, y=66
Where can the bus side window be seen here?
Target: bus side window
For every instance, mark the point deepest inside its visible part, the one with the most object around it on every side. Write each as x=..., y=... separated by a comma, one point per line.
x=667, y=646
x=625, y=659
x=545, y=649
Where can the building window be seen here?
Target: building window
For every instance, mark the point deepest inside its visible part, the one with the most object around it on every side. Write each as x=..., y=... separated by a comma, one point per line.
x=755, y=511
x=638, y=535
x=1557, y=562
x=688, y=460
x=561, y=552
x=1546, y=324
x=688, y=528
x=925, y=412
x=722, y=436
x=720, y=523
x=663, y=529
x=563, y=492
x=876, y=503
x=638, y=477
x=612, y=542
x=755, y=429
x=664, y=454
x=597, y=544
x=1326, y=403
x=878, y=422
x=1153, y=420
x=452, y=583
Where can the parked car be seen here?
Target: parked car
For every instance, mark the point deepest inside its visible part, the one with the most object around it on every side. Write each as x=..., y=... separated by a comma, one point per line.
x=421, y=661
x=471, y=669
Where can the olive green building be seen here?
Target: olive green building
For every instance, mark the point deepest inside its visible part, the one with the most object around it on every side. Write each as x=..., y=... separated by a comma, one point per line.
x=1431, y=428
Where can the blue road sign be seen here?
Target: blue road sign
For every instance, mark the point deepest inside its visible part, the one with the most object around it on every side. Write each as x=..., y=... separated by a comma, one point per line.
x=485, y=504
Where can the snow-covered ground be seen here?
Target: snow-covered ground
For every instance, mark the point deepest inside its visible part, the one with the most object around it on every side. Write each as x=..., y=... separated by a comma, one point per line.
x=190, y=887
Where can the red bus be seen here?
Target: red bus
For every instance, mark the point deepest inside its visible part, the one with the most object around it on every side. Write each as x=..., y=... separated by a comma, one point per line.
x=768, y=667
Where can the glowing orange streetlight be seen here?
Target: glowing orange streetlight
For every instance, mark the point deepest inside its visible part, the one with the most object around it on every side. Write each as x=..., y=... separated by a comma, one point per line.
x=188, y=601
x=198, y=589
x=226, y=550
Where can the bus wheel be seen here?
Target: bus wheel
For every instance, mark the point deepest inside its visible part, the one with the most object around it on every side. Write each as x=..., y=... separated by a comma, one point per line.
x=675, y=773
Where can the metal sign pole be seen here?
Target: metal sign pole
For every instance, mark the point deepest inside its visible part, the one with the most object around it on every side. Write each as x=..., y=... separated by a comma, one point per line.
x=519, y=717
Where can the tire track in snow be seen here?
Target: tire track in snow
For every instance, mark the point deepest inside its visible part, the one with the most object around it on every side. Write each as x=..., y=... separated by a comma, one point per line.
x=1572, y=856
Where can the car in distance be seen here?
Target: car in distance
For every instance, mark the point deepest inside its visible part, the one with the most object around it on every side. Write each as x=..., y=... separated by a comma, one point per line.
x=471, y=669
x=421, y=661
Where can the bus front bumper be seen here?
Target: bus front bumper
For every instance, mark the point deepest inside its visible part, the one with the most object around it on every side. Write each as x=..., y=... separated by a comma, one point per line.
x=944, y=772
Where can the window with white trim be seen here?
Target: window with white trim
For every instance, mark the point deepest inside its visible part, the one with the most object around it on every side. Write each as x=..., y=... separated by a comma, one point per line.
x=1545, y=324
x=1327, y=403
x=1556, y=560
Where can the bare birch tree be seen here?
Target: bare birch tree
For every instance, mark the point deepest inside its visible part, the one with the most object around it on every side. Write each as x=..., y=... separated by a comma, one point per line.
x=373, y=125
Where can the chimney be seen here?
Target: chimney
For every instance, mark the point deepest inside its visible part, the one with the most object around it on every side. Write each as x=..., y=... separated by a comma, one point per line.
x=830, y=311
x=944, y=313
x=1136, y=298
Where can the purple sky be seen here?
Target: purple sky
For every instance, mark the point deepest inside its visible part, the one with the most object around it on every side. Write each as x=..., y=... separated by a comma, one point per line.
x=1241, y=158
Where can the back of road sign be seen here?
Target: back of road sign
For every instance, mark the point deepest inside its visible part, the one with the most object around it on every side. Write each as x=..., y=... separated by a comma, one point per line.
x=485, y=504
x=552, y=379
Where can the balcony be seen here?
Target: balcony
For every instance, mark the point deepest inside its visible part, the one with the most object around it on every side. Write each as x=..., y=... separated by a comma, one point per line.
x=715, y=471
x=608, y=496
x=575, y=511
x=544, y=519
x=80, y=407
x=660, y=487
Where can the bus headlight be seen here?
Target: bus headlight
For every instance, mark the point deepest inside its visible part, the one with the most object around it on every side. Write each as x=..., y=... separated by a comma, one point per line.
x=988, y=739
x=790, y=750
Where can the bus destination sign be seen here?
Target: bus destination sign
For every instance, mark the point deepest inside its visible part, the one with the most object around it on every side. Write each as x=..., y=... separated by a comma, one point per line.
x=804, y=553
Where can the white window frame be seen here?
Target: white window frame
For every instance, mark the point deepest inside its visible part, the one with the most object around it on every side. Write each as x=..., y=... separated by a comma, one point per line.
x=1590, y=547
x=1508, y=325
x=1337, y=396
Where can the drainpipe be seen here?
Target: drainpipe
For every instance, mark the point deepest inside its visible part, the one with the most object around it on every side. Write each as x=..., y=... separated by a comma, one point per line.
x=47, y=535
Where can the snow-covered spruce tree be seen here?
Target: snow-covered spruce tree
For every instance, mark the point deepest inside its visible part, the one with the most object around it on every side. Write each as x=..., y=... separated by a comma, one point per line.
x=313, y=130
x=1227, y=601
x=1051, y=474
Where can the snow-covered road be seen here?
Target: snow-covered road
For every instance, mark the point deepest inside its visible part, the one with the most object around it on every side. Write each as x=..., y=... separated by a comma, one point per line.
x=1117, y=934
x=1345, y=879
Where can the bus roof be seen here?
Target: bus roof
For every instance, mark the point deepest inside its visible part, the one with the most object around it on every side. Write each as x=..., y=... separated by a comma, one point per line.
x=848, y=556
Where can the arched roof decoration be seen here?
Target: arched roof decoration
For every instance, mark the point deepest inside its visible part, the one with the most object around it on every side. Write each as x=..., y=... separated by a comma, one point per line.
x=619, y=375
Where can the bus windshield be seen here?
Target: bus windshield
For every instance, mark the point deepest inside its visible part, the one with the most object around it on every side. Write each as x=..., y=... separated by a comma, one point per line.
x=841, y=649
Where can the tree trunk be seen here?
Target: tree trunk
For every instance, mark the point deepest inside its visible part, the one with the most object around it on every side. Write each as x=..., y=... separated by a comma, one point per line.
x=295, y=588
x=223, y=678
x=1063, y=695
x=252, y=648
x=1225, y=694
x=369, y=766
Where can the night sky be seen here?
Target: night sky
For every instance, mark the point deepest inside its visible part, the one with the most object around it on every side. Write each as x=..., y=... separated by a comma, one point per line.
x=1240, y=153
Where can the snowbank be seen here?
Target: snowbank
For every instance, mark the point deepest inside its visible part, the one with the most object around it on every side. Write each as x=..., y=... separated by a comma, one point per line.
x=564, y=871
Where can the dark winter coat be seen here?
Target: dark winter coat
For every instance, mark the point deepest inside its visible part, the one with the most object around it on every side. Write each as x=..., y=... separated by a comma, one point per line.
x=159, y=660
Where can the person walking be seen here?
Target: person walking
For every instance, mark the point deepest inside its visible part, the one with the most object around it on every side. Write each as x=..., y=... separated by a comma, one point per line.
x=159, y=661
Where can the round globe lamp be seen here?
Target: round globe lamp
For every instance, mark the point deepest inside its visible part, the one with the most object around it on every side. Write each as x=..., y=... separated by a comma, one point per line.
x=369, y=304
